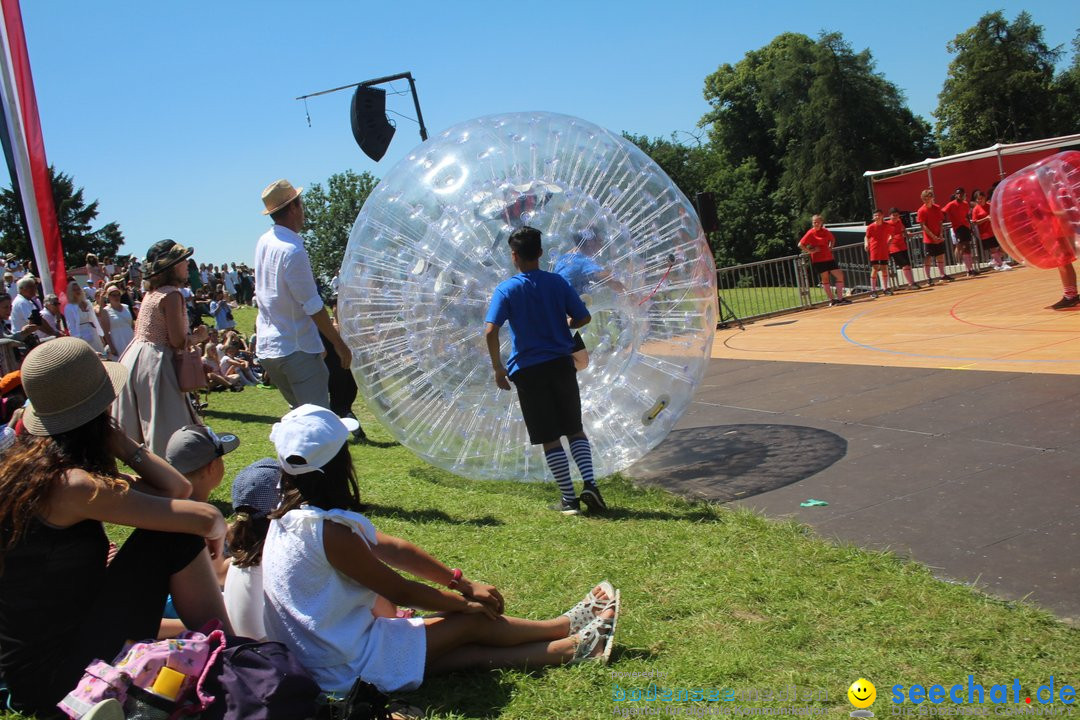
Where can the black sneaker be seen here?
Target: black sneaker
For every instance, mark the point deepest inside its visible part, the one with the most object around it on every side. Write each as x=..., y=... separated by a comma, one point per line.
x=947, y=278
x=929, y=282
x=834, y=303
x=567, y=507
x=1065, y=302
x=873, y=296
x=843, y=301
x=590, y=495
x=889, y=293
x=358, y=434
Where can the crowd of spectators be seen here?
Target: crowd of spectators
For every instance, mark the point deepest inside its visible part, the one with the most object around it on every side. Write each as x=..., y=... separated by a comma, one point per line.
x=104, y=384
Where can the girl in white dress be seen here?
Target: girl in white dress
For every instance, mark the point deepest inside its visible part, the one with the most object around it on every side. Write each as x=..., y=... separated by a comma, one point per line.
x=116, y=322
x=81, y=318
x=325, y=565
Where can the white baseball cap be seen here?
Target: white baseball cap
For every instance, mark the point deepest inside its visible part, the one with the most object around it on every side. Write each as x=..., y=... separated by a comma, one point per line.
x=312, y=433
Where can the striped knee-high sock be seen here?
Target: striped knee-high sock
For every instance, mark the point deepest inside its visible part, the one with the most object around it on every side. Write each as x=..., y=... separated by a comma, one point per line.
x=560, y=468
x=582, y=452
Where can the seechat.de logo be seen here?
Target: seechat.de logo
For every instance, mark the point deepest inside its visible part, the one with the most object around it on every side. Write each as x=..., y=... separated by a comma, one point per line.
x=862, y=695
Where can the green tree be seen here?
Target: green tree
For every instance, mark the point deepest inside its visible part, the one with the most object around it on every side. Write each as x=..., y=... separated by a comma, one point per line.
x=1067, y=93
x=330, y=215
x=689, y=167
x=794, y=125
x=74, y=216
x=754, y=223
x=999, y=87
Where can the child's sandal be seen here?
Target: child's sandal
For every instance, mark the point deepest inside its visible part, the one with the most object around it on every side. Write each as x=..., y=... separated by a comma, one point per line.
x=590, y=607
x=599, y=631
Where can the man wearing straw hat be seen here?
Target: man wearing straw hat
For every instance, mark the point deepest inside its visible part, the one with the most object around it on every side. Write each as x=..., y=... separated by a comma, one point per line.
x=291, y=312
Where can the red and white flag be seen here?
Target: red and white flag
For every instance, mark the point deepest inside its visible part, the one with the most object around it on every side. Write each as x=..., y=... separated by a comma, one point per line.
x=26, y=146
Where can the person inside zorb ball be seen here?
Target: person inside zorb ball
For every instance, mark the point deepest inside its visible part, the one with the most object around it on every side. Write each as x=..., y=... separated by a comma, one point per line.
x=431, y=244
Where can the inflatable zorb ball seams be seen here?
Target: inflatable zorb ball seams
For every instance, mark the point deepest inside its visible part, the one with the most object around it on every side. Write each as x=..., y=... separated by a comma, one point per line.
x=1035, y=212
x=430, y=246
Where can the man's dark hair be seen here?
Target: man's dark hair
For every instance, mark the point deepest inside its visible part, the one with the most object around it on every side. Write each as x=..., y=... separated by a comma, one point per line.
x=525, y=241
x=278, y=215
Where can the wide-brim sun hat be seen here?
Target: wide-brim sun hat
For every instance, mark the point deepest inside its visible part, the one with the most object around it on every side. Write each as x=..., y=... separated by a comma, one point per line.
x=278, y=194
x=163, y=255
x=68, y=385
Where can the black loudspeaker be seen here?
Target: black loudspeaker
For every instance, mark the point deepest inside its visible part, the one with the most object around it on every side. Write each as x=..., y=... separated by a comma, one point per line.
x=370, y=127
x=706, y=210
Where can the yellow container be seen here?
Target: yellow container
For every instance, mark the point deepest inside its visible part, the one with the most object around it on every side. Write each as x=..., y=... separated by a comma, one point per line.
x=168, y=683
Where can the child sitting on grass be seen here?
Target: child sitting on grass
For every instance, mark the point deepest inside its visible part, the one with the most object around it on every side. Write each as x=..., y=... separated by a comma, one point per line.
x=233, y=367
x=255, y=494
x=324, y=565
x=212, y=367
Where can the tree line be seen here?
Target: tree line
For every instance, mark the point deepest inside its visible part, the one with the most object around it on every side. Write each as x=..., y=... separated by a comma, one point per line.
x=793, y=126
x=789, y=132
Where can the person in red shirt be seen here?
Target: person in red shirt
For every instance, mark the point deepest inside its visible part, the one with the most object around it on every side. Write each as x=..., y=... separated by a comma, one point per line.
x=957, y=211
x=877, y=247
x=980, y=218
x=898, y=249
x=930, y=217
x=819, y=242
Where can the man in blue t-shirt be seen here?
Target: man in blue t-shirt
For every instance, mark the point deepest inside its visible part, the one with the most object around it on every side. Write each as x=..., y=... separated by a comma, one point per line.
x=542, y=308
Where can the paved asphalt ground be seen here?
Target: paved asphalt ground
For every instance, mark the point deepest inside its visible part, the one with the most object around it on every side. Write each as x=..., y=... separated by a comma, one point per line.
x=972, y=473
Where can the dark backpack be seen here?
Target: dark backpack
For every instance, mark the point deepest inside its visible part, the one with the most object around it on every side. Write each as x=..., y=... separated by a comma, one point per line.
x=261, y=681
x=364, y=702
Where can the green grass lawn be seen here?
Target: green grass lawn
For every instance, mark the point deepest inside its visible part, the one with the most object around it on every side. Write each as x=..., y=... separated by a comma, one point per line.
x=756, y=301
x=712, y=597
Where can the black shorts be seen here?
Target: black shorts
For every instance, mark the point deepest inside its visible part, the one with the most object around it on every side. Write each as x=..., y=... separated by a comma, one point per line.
x=990, y=243
x=934, y=249
x=550, y=400
x=901, y=258
x=963, y=234
x=882, y=263
x=824, y=266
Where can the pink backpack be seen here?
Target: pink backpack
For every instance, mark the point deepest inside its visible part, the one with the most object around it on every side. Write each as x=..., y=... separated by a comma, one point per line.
x=174, y=669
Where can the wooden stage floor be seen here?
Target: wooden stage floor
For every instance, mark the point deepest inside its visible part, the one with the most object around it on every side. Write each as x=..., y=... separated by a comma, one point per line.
x=998, y=321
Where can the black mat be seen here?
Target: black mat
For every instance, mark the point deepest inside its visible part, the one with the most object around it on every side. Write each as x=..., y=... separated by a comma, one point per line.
x=976, y=474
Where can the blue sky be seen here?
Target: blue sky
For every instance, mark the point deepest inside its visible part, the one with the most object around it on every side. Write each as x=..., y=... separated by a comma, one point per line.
x=176, y=115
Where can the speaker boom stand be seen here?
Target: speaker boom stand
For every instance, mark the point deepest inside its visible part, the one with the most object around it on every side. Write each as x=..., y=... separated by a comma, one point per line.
x=379, y=81
x=727, y=314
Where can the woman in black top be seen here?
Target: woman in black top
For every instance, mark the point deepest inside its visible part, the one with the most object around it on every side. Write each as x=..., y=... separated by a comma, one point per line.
x=61, y=603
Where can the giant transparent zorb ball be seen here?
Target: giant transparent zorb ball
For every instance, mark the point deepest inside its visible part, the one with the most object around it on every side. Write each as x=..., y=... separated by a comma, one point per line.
x=430, y=246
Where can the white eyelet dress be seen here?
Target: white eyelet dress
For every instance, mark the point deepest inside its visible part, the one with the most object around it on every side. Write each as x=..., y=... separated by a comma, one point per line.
x=325, y=617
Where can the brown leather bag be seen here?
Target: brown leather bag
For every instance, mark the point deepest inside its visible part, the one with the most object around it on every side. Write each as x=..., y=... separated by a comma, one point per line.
x=189, y=370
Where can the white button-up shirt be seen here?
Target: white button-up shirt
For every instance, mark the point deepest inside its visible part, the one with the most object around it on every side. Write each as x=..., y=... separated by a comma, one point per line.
x=21, y=309
x=287, y=295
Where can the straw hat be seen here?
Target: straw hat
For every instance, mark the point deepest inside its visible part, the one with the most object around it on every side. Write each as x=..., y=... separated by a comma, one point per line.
x=279, y=194
x=68, y=385
x=164, y=254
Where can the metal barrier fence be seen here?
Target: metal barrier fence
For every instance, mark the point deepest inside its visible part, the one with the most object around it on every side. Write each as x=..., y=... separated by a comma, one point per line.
x=759, y=289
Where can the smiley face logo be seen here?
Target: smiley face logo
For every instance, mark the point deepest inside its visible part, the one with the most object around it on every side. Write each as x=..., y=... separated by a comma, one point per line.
x=862, y=693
